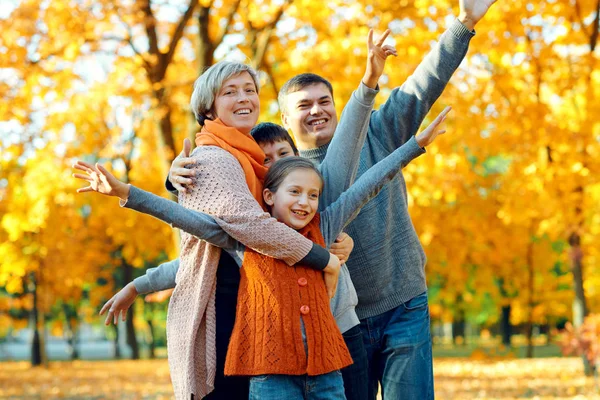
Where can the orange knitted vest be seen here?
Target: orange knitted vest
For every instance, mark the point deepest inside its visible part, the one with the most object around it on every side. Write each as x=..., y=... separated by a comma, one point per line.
x=267, y=337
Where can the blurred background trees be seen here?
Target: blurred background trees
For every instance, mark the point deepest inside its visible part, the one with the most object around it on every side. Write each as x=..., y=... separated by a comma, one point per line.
x=506, y=205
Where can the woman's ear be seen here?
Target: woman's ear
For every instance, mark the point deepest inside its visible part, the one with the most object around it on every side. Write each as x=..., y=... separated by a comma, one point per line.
x=268, y=197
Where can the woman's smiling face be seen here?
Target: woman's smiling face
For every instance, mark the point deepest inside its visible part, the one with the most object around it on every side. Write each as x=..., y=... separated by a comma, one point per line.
x=237, y=104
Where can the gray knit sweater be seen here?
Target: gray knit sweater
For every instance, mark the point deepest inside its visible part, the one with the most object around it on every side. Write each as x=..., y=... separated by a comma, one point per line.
x=333, y=220
x=339, y=169
x=387, y=264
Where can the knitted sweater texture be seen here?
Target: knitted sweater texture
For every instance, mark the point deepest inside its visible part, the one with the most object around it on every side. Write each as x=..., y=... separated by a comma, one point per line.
x=267, y=337
x=219, y=189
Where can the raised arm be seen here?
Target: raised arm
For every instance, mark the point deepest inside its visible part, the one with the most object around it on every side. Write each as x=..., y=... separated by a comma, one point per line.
x=347, y=207
x=341, y=161
x=220, y=189
x=402, y=114
x=193, y=222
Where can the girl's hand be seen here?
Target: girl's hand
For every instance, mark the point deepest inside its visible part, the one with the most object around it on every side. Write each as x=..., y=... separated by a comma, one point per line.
x=119, y=304
x=376, y=57
x=179, y=174
x=428, y=135
x=342, y=247
x=331, y=275
x=100, y=180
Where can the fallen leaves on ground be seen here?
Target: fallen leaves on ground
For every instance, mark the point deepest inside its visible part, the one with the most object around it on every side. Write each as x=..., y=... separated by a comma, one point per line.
x=540, y=379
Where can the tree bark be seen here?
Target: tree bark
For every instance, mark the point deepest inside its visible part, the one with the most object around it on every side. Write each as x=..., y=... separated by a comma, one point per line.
x=38, y=348
x=530, y=301
x=131, y=337
x=506, y=327
x=116, y=348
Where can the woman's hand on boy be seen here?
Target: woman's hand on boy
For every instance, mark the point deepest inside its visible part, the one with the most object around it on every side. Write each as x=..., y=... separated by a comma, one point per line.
x=100, y=180
x=342, y=247
x=376, y=57
x=428, y=135
x=119, y=304
x=179, y=174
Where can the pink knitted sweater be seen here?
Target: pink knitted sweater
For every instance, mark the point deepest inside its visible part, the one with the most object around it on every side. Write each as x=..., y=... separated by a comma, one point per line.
x=220, y=190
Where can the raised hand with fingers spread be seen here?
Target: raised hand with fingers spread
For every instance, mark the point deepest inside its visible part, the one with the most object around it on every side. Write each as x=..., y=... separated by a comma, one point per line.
x=428, y=135
x=100, y=180
x=376, y=57
x=472, y=11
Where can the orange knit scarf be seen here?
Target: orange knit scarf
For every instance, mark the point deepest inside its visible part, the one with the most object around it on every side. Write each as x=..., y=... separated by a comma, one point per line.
x=272, y=297
x=241, y=146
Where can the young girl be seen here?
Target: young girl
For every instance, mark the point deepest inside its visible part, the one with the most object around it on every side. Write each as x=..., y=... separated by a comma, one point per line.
x=285, y=336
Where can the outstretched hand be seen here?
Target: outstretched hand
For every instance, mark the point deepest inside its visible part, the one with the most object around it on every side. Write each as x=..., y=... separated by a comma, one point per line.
x=376, y=57
x=119, y=304
x=100, y=180
x=472, y=11
x=428, y=135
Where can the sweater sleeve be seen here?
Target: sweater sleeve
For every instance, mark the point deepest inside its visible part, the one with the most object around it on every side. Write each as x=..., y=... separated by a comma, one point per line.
x=349, y=204
x=341, y=162
x=220, y=189
x=400, y=116
x=194, y=222
x=158, y=278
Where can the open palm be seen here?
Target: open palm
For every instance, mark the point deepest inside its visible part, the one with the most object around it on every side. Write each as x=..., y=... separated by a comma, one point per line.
x=99, y=180
x=475, y=9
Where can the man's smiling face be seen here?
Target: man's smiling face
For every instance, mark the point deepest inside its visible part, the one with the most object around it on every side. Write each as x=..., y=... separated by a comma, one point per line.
x=310, y=115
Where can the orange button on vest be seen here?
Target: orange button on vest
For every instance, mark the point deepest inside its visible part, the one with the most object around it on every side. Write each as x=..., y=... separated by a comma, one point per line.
x=305, y=310
x=302, y=281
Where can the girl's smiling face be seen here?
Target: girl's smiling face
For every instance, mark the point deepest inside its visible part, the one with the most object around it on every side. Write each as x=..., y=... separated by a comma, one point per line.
x=296, y=200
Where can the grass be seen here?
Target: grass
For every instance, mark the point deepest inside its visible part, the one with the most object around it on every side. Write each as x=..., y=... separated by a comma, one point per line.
x=455, y=378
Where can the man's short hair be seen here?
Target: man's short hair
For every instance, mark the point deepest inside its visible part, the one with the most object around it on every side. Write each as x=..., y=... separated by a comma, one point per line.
x=268, y=132
x=299, y=82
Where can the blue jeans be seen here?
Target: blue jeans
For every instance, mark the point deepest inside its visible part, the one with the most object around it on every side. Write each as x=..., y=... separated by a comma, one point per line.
x=398, y=344
x=293, y=387
x=356, y=376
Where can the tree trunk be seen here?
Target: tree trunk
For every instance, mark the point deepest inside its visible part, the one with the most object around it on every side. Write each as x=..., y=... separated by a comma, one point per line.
x=167, y=142
x=38, y=348
x=506, y=326
x=131, y=339
x=580, y=309
x=71, y=330
x=152, y=341
x=530, y=301
x=116, y=348
x=458, y=324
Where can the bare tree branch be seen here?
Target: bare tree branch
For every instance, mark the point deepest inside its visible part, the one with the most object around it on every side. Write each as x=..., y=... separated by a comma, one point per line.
x=178, y=34
x=150, y=26
x=230, y=15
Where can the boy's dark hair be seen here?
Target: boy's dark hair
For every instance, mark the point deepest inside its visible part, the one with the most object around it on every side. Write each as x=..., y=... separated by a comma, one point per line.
x=283, y=167
x=299, y=82
x=268, y=132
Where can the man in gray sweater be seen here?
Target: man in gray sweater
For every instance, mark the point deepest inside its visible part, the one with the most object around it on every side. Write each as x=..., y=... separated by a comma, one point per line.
x=387, y=265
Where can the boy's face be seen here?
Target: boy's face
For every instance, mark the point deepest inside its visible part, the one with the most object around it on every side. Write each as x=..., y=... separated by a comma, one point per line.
x=310, y=115
x=275, y=151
